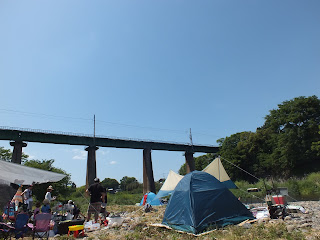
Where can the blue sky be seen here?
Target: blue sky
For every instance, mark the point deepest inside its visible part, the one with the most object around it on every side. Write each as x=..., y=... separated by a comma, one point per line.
x=151, y=70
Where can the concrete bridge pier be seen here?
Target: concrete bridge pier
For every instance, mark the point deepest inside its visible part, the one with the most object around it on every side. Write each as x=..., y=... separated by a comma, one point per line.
x=91, y=165
x=148, y=180
x=17, y=151
x=190, y=165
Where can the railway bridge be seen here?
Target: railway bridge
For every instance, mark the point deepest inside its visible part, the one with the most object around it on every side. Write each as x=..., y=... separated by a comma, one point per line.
x=20, y=137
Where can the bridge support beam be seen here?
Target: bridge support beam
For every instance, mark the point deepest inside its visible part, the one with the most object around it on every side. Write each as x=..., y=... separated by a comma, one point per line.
x=148, y=180
x=190, y=165
x=17, y=151
x=91, y=165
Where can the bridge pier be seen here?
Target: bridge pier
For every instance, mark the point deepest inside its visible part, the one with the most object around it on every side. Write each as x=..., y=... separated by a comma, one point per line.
x=148, y=180
x=190, y=165
x=91, y=165
x=17, y=151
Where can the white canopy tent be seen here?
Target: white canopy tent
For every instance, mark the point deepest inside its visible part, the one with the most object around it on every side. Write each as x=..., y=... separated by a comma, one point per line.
x=19, y=174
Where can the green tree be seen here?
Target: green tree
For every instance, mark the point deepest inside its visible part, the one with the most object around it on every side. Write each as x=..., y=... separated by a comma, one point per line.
x=316, y=146
x=6, y=155
x=239, y=149
x=62, y=189
x=110, y=183
x=200, y=163
x=128, y=183
x=291, y=130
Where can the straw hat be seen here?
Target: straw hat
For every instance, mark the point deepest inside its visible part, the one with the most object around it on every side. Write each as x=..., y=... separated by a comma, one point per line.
x=46, y=201
x=50, y=188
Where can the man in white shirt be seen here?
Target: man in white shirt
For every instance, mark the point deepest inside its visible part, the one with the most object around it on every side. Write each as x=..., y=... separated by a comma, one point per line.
x=27, y=196
x=48, y=194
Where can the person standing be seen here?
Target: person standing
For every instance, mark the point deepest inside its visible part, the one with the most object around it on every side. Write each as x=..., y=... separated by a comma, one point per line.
x=97, y=197
x=27, y=196
x=48, y=194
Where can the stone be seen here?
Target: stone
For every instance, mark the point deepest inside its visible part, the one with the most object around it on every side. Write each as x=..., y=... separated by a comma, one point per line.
x=287, y=218
x=290, y=228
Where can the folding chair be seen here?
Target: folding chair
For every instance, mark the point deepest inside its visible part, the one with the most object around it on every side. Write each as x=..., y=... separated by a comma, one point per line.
x=41, y=226
x=20, y=226
x=5, y=231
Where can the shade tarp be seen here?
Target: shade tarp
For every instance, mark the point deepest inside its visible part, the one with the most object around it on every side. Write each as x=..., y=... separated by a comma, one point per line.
x=169, y=185
x=216, y=169
x=19, y=174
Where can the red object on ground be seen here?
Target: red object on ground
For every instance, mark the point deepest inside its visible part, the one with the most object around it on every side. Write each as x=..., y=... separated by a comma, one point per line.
x=279, y=199
x=144, y=199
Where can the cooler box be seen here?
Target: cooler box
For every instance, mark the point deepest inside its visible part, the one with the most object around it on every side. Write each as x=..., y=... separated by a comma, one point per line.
x=279, y=199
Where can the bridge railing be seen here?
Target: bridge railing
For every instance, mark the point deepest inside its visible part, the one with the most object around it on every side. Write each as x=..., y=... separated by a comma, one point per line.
x=91, y=135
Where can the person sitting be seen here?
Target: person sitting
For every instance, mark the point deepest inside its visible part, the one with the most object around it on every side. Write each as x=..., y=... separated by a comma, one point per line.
x=37, y=209
x=46, y=206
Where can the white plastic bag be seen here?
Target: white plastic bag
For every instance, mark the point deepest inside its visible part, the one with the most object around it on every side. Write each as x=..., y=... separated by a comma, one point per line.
x=114, y=221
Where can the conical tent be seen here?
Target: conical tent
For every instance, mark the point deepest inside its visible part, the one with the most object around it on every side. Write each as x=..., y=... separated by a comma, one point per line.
x=199, y=201
x=169, y=185
x=216, y=169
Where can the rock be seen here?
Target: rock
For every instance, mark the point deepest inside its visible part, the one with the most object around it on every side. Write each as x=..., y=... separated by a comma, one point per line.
x=246, y=225
x=290, y=228
x=305, y=225
x=263, y=220
x=287, y=218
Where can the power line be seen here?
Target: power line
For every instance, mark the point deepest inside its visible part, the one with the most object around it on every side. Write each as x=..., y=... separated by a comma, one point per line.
x=184, y=132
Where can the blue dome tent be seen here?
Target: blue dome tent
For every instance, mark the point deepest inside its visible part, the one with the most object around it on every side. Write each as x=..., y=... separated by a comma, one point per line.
x=150, y=198
x=199, y=201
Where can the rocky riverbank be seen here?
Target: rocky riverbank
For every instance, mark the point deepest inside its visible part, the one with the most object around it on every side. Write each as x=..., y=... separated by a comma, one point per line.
x=134, y=218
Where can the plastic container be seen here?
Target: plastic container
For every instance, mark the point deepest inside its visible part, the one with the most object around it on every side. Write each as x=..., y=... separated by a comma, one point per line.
x=89, y=226
x=279, y=199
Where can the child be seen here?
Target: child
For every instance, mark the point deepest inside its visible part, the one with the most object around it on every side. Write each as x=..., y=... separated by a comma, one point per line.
x=46, y=206
x=37, y=209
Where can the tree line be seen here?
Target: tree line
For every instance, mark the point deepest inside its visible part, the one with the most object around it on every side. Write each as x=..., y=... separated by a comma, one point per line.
x=286, y=145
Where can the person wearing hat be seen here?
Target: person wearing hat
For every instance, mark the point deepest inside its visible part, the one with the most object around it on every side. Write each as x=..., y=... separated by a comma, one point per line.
x=27, y=196
x=97, y=197
x=48, y=194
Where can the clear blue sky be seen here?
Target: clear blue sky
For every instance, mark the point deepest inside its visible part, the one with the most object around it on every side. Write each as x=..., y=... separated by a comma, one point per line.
x=151, y=70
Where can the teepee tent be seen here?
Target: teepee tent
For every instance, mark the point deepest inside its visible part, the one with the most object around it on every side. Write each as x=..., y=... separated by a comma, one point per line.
x=216, y=169
x=169, y=185
x=199, y=201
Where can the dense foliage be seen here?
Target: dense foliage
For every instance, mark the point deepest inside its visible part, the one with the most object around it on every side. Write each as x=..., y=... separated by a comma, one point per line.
x=109, y=183
x=6, y=155
x=200, y=163
x=288, y=144
x=62, y=189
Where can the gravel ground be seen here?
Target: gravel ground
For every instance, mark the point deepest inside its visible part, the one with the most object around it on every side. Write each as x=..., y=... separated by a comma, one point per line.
x=305, y=222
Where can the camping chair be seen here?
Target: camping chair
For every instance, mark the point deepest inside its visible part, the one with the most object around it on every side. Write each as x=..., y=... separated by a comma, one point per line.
x=5, y=230
x=41, y=226
x=20, y=226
